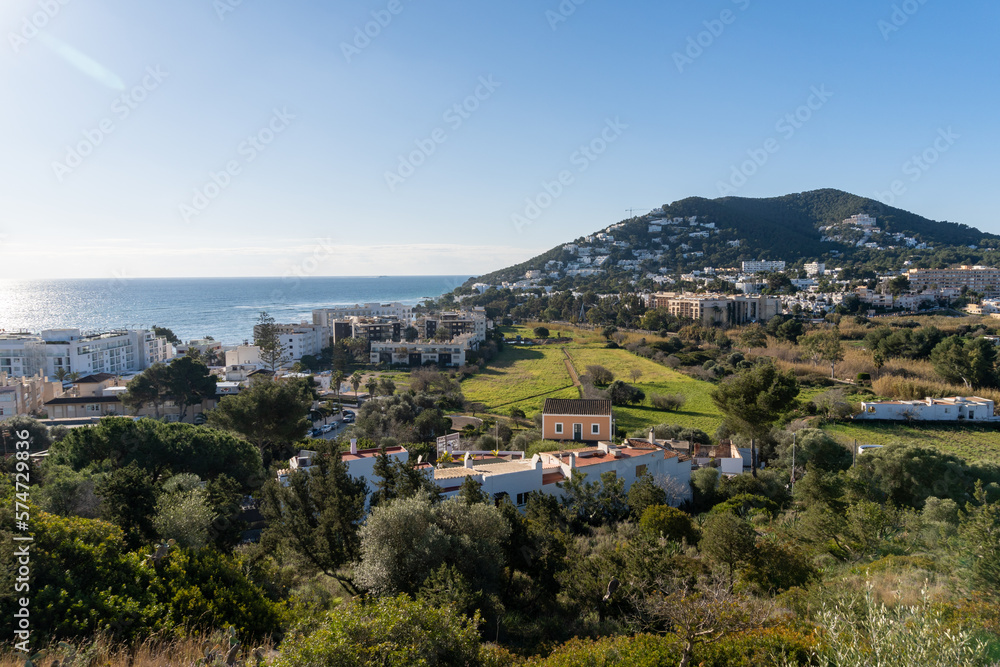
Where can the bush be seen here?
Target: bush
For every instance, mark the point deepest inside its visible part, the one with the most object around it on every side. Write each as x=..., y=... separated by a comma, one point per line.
x=637, y=651
x=600, y=375
x=621, y=393
x=393, y=632
x=668, y=402
x=669, y=522
x=864, y=378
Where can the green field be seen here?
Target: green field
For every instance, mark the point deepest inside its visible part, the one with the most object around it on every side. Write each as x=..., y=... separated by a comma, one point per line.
x=972, y=443
x=521, y=377
x=525, y=376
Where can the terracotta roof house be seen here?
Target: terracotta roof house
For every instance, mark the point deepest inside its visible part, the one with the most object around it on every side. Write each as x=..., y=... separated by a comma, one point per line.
x=580, y=420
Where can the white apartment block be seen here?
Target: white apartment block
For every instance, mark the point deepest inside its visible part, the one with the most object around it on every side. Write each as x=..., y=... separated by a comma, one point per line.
x=420, y=354
x=982, y=279
x=301, y=340
x=956, y=408
x=815, y=269
x=761, y=266
x=860, y=220
x=117, y=352
x=326, y=316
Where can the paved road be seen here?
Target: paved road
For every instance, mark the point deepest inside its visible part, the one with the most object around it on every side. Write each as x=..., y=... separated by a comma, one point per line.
x=339, y=428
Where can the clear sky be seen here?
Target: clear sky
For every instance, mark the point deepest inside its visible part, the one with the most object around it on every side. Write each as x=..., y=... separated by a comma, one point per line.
x=243, y=137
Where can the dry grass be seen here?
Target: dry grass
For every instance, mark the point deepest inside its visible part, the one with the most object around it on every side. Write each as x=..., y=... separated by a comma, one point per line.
x=150, y=653
x=905, y=389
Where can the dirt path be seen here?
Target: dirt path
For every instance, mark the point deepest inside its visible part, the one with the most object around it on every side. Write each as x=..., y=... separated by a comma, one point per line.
x=572, y=370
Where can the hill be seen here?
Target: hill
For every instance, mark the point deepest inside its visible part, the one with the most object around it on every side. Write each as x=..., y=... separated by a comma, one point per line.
x=797, y=228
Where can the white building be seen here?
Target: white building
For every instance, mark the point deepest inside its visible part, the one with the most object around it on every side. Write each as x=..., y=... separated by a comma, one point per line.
x=117, y=352
x=543, y=472
x=301, y=340
x=244, y=355
x=326, y=316
x=815, y=269
x=418, y=354
x=957, y=408
x=761, y=266
x=860, y=220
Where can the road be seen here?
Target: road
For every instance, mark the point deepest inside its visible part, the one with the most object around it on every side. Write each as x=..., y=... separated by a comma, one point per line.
x=339, y=428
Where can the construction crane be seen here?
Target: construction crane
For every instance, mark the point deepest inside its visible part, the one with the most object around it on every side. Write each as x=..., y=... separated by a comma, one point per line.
x=631, y=211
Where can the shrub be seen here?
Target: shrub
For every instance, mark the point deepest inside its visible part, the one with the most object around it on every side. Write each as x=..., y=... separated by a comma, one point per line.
x=668, y=401
x=394, y=632
x=637, y=651
x=600, y=375
x=669, y=522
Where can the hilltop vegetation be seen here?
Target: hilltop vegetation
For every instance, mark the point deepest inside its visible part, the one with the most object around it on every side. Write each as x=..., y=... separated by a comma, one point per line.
x=783, y=228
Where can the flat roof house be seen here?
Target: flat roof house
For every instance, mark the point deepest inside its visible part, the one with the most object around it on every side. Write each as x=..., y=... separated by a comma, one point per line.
x=578, y=419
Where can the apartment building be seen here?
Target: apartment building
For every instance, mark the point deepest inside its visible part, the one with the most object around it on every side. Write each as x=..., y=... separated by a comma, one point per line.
x=300, y=340
x=761, y=266
x=982, y=279
x=815, y=269
x=452, y=353
x=717, y=309
x=455, y=324
x=118, y=352
x=326, y=316
x=25, y=395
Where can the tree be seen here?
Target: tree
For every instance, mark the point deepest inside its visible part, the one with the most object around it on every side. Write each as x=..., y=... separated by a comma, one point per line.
x=403, y=542
x=129, y=501
x=355, y=381
x=317, y=515
x=754, y=399
x=336, y=380
x=600, y=375
x=371, y=384
x=644, y=493
x=825, y=345
x=635, y=374
x=272, y=414
x=972, y=362
x=151, y=387
x=410, y=334
x=471, y=492
x=728, y=540
x=816, y=447
x=621, y=393
x=266, y=337
x=183, y=512
x=752, y=336
x=980, y=535
x=541, y=332
x=189, y=382
x=386, y=386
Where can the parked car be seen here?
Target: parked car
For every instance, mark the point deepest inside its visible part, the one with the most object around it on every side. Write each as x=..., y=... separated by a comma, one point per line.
x=314, y=432
x=327, y=428
x=349, y=418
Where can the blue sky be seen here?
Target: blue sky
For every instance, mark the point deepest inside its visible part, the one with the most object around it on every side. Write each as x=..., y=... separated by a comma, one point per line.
x=227, y=137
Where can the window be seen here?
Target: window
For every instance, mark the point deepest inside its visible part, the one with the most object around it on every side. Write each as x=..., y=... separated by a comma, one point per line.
x=522, y=499
x=595, y=428
x=559, y=427
x=640, y=471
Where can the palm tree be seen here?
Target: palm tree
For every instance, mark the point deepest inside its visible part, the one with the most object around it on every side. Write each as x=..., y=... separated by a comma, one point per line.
x=61, y=373
x=355, y=381
x=336, y=381
x=372, y=386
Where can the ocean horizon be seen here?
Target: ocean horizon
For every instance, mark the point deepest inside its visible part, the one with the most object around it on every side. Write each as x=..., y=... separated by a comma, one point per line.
x=224, y=308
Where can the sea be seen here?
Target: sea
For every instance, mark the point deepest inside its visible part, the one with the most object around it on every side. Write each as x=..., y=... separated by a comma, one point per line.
x=223, y=308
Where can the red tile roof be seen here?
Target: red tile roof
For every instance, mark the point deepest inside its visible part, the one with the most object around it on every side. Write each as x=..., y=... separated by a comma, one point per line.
x=577, y=406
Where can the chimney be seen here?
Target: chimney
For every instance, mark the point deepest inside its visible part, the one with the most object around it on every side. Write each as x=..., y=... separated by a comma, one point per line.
x=469, y=461
x=354, y=445
x=652, y=436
